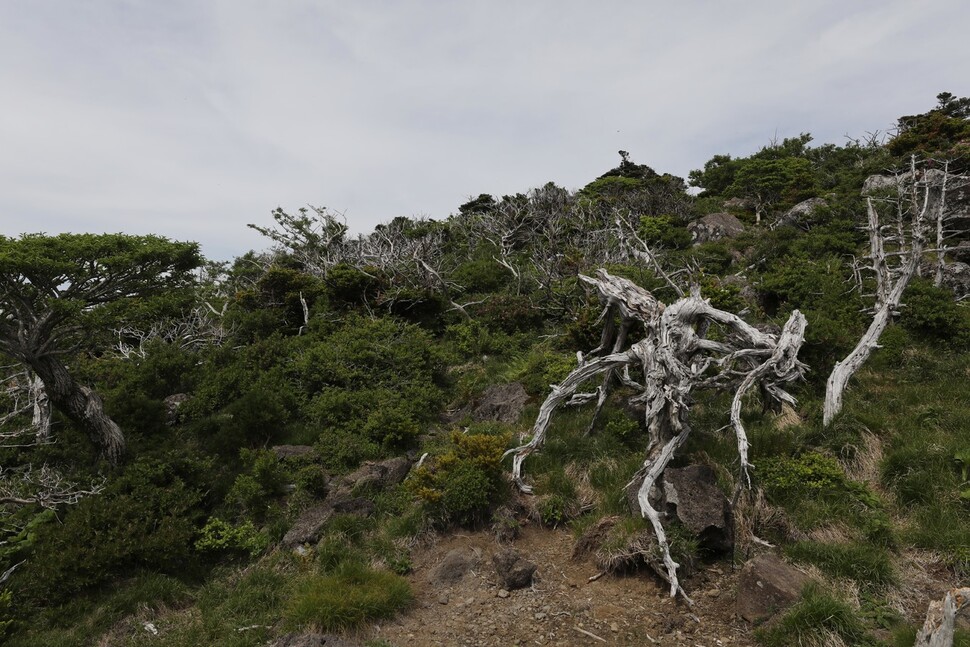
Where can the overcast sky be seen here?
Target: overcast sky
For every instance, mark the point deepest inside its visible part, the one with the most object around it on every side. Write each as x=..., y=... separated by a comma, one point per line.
x=191, y=118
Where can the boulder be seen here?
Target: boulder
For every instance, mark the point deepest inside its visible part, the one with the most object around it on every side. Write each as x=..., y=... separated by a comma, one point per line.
x=768, y=585
x=878, y=183
x=311, y=640
x=800, y=215
x=742, y=204
x=514, y=570
x=455, y=565
x=377, y=475
x=173, y=404
x=956, y=276
x=309, y=526
x=693, y=498
x=501, y=403
x=715, y=226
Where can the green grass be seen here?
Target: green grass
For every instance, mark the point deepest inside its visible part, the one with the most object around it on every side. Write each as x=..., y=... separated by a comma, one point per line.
x=812, y=622
x=867, y=564
x=86, y=617
x=347, y=598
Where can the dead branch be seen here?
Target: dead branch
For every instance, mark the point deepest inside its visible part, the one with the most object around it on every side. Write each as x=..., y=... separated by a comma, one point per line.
x=675, y=358
x=937, y=630
x=895, y=259
x=42, y=486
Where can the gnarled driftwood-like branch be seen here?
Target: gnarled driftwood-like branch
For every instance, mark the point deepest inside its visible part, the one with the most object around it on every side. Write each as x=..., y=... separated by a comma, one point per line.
x=675, y=357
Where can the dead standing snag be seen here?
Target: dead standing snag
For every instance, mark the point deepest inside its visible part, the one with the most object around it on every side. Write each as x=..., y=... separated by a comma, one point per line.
x=674, y=358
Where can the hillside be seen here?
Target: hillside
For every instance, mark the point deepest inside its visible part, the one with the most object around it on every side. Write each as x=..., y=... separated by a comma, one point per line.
x=319, y=443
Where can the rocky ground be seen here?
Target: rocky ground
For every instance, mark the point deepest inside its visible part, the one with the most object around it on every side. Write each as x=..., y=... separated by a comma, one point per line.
x=464, y=603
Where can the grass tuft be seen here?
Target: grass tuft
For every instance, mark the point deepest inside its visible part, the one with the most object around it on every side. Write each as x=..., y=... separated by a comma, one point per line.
x=347, y=598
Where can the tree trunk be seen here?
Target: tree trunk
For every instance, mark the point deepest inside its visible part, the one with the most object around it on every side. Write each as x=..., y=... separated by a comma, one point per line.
x=937, y=631
x=889, y=294
x=839, y=378
x=82, y=405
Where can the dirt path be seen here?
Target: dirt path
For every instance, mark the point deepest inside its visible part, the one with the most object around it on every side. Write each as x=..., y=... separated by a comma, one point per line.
x=562, y=607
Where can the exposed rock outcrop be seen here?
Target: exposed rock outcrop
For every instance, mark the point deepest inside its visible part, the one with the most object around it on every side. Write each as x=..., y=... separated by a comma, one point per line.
x=715, y=226
x=693, y=498
x=800, y=215
x=501, y=403
x=768, y=585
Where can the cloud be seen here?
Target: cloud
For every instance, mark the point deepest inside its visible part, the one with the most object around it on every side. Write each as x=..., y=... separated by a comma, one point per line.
x=191, y=119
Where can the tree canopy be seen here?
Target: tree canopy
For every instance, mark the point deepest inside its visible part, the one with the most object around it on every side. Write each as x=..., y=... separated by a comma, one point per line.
x=53, y=289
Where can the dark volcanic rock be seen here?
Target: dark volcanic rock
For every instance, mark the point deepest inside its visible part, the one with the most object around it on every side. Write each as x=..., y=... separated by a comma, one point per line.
x=514, y=570
x=309, y=526
x=768, y=585
x=692, y=496
x=501, y=403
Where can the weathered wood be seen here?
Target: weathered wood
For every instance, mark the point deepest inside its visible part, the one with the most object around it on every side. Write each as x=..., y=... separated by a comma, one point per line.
x=937, y=630
x=675, y=358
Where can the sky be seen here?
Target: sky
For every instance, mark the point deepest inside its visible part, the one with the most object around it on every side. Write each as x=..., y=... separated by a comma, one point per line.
x=192, y=118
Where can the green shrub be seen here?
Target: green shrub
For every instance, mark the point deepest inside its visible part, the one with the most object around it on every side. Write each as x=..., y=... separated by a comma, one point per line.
x=814, y=490
x=145, y=519
x=352, y=595
x=664, y=231
x=6, y=613
x=556, y=501
x=311, y=479
x=348, y=286
x=220, y=536
x=811, y=474
x=481, y=276
x=262, y=481
x=465, y=483
x=472, y=339
x=933, y=314
x=540, y=368
x=509, y=313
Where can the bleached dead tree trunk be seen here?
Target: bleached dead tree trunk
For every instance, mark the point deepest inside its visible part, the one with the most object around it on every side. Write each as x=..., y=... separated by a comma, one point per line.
x=893, y=269
x=937, y=630
x=675, y=357
x=23, y=392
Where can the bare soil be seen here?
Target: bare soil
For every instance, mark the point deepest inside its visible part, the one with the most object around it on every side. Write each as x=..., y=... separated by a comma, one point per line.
x=563, y=607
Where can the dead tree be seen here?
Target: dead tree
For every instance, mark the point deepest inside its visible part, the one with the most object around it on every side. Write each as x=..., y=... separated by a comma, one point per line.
x=23, y=393
x=675, y=357
x=937, y=630
x=43, y=486
x=896, y=250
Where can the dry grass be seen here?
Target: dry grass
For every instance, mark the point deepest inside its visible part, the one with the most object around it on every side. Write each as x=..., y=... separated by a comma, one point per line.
x=864, y=466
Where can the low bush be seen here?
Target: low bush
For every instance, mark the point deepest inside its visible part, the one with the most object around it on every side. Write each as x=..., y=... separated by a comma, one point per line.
x=221, y=537
x=350, y=596
x=466, y=482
